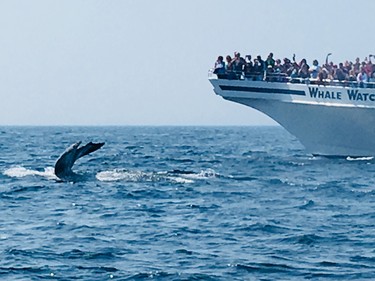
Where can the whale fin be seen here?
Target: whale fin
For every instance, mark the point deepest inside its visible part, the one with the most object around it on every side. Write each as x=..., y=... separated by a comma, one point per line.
x=63, y=166
x=88, y=148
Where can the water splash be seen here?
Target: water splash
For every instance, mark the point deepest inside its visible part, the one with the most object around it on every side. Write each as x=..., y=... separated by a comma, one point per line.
x=21, y=172
x=138, y=176
x=120, y=175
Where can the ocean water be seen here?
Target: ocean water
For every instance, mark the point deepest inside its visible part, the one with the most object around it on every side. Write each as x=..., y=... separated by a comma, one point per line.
x=183, y=203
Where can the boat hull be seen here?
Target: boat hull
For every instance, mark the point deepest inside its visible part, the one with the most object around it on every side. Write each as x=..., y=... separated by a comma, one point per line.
x=327, y=120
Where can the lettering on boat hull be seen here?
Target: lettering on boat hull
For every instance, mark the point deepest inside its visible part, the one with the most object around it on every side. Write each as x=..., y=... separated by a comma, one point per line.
x=352, y=95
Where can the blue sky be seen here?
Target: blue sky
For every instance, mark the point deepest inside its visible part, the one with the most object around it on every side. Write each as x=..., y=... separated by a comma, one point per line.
x=145, y=62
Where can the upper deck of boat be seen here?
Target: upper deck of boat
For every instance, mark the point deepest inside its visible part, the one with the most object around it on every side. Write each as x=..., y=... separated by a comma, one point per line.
x=283, y=78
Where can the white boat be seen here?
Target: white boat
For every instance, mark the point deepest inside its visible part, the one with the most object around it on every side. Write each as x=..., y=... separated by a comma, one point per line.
x=331, y=119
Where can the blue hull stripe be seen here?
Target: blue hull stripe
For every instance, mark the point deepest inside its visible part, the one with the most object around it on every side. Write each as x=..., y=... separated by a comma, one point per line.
x=262, y=90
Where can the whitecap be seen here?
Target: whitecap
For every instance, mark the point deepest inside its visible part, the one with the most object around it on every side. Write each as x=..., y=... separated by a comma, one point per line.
x=360, y=158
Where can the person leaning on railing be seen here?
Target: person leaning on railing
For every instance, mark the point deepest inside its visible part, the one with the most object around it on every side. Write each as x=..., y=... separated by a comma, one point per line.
x=314, y=69
x=248, y=68
x=238, y=64
x=362, y=77
x=341, y=73
x=219, y=68
x=229, y=70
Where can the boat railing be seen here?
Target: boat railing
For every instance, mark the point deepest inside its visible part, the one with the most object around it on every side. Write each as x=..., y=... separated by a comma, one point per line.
x=283, y=78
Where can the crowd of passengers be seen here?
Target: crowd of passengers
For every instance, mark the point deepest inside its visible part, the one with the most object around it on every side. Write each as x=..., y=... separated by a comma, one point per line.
x=277, y=70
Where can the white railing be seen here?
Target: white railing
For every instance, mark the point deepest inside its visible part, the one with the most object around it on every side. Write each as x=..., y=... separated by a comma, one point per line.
x=283, y=78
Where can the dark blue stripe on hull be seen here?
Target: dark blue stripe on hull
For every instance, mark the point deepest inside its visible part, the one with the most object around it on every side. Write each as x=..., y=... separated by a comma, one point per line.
x=263, y=90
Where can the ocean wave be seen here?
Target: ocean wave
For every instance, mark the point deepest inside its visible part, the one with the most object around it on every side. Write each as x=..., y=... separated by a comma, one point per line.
x=307, y=204
x=266, y=267
x=102, y=255
x=21, y=189
x=162, y=275
x=363, y=260
x=265, y=228
x=22, y=269
x=242, y=178
x=305, y=239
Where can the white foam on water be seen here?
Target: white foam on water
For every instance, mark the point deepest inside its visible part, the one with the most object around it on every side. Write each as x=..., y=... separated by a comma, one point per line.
x=137, y=176
x=3, y=237
x=20, y=172
x=360, y=158
x=120, y=175
x=203, y=174
x=180, y=180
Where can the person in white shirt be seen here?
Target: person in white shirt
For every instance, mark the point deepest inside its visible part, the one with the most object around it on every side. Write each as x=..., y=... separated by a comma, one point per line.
x=314, y=69
x=362, y=77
